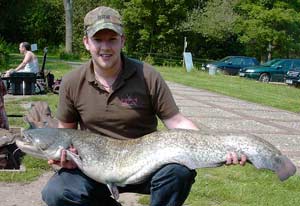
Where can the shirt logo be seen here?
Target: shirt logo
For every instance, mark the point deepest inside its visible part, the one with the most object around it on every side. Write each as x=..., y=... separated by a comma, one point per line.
x=129, y=101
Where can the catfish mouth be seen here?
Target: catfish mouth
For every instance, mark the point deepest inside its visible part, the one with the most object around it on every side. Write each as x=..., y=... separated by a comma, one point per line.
x=26, y=144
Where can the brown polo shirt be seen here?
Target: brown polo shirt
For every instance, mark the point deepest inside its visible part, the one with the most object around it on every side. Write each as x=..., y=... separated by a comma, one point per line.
x=138, y=95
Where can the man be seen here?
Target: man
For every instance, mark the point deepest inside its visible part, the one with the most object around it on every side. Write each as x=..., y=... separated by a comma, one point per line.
x=29, y=63
x=121, y=98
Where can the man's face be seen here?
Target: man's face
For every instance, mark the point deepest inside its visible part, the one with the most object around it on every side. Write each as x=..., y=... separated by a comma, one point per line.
x=22, y=48
x=105, y=47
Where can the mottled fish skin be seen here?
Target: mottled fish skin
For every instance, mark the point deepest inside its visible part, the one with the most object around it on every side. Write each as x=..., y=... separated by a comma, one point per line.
x=123, y=162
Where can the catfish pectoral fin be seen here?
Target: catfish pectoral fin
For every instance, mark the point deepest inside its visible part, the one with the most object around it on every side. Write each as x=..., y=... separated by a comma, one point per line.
x=113, y=190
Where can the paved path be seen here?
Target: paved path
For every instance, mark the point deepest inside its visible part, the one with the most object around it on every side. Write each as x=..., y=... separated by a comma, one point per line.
x=222, y=114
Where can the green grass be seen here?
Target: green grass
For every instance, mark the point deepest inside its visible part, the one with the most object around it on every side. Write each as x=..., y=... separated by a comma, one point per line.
x=34, y=168
x=236, y=185
x=240, y=186
x=224, y=186
x=275, y=95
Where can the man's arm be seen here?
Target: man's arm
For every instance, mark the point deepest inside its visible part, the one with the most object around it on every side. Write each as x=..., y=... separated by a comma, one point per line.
x=179, y=121
x=72, y=125
x=26, y=59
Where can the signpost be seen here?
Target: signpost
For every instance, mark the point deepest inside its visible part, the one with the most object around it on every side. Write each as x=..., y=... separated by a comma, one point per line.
x=33, y=47
x=188, y=61
x=187, y=57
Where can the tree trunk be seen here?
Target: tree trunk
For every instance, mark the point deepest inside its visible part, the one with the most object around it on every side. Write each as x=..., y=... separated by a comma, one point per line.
x=68, y=4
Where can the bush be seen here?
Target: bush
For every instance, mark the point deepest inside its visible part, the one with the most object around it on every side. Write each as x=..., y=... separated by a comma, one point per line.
x=149, y=59
x=4, y=54
x=67, y=56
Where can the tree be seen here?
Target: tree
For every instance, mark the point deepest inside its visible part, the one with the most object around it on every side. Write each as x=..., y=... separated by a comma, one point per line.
x=215, y=21
x=277, y=24
x=212, y=26
x=68, y=5
x=30, y=20
x=41, y=26
x=152, y=26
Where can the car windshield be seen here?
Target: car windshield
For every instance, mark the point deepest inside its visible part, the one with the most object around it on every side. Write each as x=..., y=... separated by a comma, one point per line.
x=281, y=63
x=270, y=63
x=225, y=59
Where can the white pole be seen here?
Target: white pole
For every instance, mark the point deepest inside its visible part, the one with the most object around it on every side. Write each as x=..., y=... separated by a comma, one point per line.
x=184, y=48
x=23, y=87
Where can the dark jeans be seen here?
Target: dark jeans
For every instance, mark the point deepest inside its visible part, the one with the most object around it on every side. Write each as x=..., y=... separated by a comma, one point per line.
x=169, y=186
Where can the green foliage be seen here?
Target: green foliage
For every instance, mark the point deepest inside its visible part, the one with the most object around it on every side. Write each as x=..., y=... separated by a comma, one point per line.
x=37, y=20
x=213, y=28
x=215, y=21
x=152, y=26
x=253, y=24
x=68, y=56
x=258, y=26
x=149, y=59
x=4, y=54
x=34, y=21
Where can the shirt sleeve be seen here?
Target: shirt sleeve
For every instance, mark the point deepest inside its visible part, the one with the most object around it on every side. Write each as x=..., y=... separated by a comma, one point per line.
x=66, y=111
x=162, y=99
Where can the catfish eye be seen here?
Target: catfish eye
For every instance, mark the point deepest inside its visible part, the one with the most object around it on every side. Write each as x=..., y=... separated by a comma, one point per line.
x=40, y=144
x=26, y=139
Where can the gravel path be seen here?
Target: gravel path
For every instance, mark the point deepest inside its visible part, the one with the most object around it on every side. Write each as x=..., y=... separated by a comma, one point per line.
x=17, y=194
x=20, y=194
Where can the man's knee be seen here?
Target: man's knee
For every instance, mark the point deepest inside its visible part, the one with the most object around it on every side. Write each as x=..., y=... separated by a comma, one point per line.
x=72, y=187
x=53, y=195
x=171, y=185
x=180, y=171
x=176, y=173
x=67, y=187
x=57, y=195
x=183, y=172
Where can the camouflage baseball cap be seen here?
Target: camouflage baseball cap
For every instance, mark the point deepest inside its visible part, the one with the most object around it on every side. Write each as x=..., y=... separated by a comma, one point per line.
x=102, y=18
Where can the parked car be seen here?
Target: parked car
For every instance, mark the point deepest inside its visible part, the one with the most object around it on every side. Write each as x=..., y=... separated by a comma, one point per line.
x=231, y=64
x=292, y=77
x=274, y=70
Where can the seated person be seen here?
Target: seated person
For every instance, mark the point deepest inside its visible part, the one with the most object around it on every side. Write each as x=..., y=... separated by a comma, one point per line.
x=29, y=63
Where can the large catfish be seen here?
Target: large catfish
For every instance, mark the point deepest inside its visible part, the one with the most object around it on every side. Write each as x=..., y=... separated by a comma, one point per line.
x=121, y=162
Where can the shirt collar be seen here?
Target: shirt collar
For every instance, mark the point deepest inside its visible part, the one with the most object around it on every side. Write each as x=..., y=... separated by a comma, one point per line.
x=128, y=69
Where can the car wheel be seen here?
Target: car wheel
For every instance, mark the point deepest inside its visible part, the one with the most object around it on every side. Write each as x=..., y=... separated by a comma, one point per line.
x=264, y=77
x=224, y=72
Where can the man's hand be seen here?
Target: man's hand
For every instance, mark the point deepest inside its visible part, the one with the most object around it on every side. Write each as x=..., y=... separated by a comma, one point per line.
x=64, y=163
x=232, y=158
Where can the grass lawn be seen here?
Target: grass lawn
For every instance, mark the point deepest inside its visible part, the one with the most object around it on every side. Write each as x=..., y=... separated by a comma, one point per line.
x=241, y=186
x=275, y=95
x=224, y=186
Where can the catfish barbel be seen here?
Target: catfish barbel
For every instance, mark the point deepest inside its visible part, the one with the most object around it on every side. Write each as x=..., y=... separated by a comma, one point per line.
x=121, y=162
